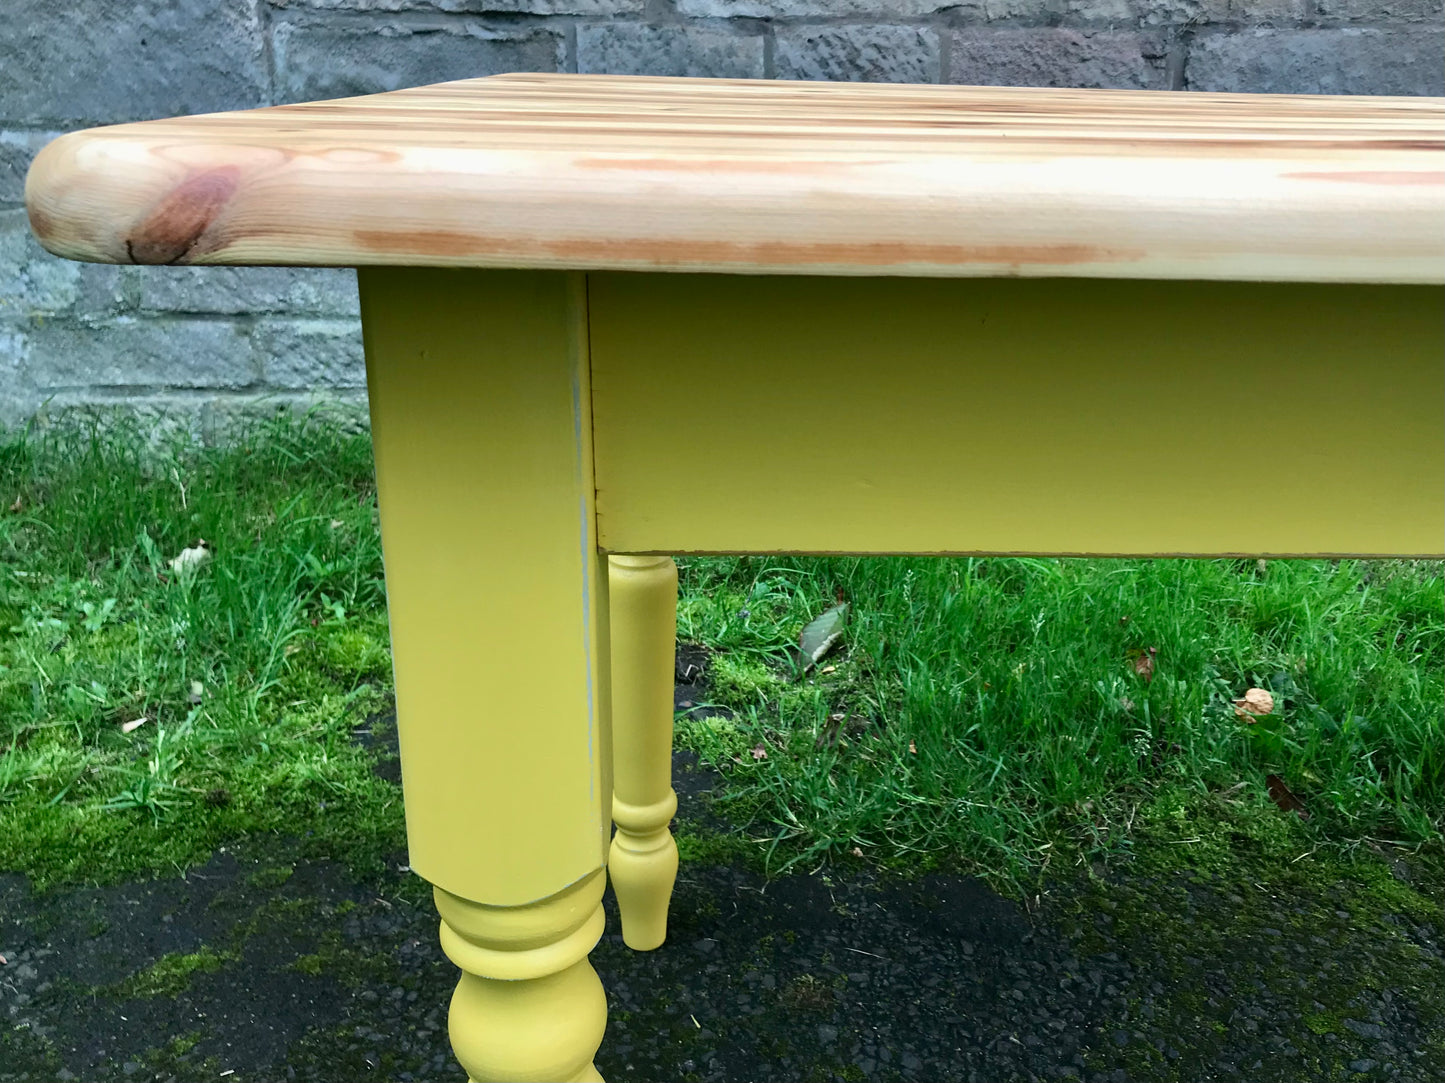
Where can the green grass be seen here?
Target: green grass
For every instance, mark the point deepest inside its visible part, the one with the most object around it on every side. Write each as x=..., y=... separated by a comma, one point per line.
x=250, y=673
x=983, y=713
x=988, y=712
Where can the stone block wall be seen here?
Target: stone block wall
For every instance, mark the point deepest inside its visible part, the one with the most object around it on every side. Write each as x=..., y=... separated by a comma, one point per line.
x=198, y=347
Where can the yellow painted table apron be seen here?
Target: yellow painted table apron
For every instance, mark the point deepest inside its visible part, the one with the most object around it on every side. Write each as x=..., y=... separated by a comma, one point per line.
x=861, y=319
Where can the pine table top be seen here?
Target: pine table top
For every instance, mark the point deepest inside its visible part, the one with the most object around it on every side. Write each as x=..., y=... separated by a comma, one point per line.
x=752, y=176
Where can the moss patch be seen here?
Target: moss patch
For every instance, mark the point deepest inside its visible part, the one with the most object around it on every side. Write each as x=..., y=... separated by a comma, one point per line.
x=741, y=680
x=171, y=974
x=1241, y=916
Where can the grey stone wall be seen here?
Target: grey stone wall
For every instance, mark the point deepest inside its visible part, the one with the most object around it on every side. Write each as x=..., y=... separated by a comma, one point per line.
x=201, y=346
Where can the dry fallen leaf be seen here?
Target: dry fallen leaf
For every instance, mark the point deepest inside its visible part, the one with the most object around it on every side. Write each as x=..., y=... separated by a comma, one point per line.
x=132, y=725
x=828, y=669
x=1280, y=794
x=191, y=559
x=1256, y=702
x=822, y=633
x=1144, y=662
x=759, y=752
x=829, y=737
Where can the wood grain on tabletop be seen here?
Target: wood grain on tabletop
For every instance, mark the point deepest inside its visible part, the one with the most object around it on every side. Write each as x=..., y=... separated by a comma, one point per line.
x=568, y=171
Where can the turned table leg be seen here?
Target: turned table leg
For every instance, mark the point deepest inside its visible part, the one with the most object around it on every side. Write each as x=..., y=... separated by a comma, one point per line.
x=497, y=596
x=643, y=858
x=529, y=1006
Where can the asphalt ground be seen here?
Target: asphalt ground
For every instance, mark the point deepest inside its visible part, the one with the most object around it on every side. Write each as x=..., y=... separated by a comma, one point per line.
x=308, y=974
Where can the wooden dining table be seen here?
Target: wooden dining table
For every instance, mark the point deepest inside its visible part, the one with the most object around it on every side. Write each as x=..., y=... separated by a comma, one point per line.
x=841, y=318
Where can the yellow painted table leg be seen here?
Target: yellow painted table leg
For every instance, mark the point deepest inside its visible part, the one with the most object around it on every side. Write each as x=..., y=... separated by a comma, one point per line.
x=643, y=858
x=529, y=1005
x=497, y=596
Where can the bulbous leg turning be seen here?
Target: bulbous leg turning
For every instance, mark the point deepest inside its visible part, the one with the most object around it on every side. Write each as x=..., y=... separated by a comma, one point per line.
x=529, y=1007
x=643, y=865
x=643, y=858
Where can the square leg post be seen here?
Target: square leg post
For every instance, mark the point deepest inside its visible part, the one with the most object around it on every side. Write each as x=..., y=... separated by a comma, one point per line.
x=643, y=858
x=480, y=405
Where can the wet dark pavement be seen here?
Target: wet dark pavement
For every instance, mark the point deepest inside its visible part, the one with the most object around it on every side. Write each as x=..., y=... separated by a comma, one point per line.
x=295, y=971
